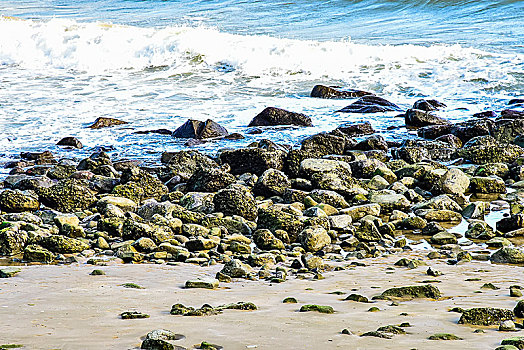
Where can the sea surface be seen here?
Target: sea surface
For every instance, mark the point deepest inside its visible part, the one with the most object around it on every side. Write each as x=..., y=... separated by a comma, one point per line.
x=156, y=64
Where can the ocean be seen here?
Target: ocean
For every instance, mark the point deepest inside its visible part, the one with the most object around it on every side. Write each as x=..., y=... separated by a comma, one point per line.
x=156, y=64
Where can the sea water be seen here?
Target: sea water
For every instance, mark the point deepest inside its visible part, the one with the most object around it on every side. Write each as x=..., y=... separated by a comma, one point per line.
x=156, y=64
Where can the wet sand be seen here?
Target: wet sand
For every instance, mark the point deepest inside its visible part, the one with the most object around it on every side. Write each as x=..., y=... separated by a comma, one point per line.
x=63, y=307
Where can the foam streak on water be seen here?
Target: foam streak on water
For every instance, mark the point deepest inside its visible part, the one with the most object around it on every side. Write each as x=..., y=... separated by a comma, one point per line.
x=58, y=75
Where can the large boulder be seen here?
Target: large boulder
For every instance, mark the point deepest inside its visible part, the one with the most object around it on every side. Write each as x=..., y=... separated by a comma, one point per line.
x=370, y=104
x=185, y=163
x=356, y=129
x=209, y=180
x=104, y=122
x=139, y=185
x=411, y=292
x=314, y=238
x=196, y=129
x=67, y=195
x=12, y=239
x=428, y=105
x=236, y=202
x=322, y=91
x=252, y=160
x=492, y=184
x=323, y=144
x=275, y=116
x=63, y=245
x=508, y=255
x=17, y=201
x=271, y=183
x=485, y=316
x=275, y=219
x=490, y=154
x=454, y=182
x=266, y=240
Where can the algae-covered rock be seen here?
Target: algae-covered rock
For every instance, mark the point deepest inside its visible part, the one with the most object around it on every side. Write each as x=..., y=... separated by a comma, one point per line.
x=272, y=116
x=253, y=160
x=236, y=202
x=411, y=292
x=10, y=271
x=517, y=342
x=36, y=253
x=158, y=339
x=67, y=195
x=485, y=316
x=265, y=240
x=490, y=154
x=150, y=185
x=131, y=315
x=322, y=91
x=444, y=336
x=12, y=239
x=357, y=297
x=519, y=309
x=236, y=269
x=202, y=283
x=63, y=245
x=272, y=183
x=493, y=184
x=508, y=255
x=275, y=219
x=209, y=180
x=324, y=309
x=15, y=201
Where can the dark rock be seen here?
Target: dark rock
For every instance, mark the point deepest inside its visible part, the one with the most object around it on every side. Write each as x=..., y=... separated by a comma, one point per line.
x=63, y=245
x=322, y=91
x=322, y=144
x=485, y=316
x=370, y=104
x=415, y=117
x=272, y=116
x=131, y=315
x=428, y=105
x=471, y=128
x=486, y=114
x=508, y=255
x=375, y=142
x=8, y=272
x=209, y=180
x=357, y=297
x=358, y=129
x=490, y=154
x=71, y=142
x=236, y=202
x=157, y=131
x=252, y=160
x=433, y=131
x=511, y=114
x=519, y=309
x=40, y=157
x=103, y=122
x=444, y=336
x=271, y=183
x=196, y=129
x=506, y=130
x=36, y=253
x=324, y=309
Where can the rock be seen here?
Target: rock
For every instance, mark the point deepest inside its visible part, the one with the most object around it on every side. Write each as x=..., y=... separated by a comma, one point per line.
x=389, y=202
x=370, y=104
x=131, y=315
x=202, y=283
x=442, y=202
x=196, y=129
x=125, y=204
x=187, y=162
x=314, y=239
x=485, y=316
x=10, y=271
x=67, y=195
x=322, y=91
x=200, y=243
x=71, y=142
x=428, y=105
x=265, y=240
x=236, y=269
x=329, y=197
x=516, y=292
x=320, y=145
x=12, y=239
x=475, y=210
x=498, y=242
x=274, y=219
x=508, y=255
x=454, y=182
x=356, y=129
x=290, y=300
x=377, y=334
x=275, y=116
x=158, y=340
x=272, y=183
x=490, y=154
x=63, y=245
x=253, y=160
x=357, y=298
x=507, y=326
x=103, y=122
x=479, y=230
x=209, y=180
x=514, y=343
x=480, y=184
x=444, y=336
x=324, y=309
x=368, y=232
x=15, y=201
x=415, y=117
x=411, y=292
x=357, y=212
x=442, y=238
x=519, y=309
x=236, y=202
x=36, y=253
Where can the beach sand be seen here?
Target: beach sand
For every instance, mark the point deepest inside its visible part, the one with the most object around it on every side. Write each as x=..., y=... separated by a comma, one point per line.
x=63, y=307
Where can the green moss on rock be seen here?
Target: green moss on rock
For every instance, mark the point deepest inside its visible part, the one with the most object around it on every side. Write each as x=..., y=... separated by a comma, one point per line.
x=485, y=316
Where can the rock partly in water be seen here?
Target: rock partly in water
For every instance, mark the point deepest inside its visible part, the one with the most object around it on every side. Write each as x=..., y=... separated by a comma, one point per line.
x=333, y=92
x=272, y=116
x=370, y=104
x=196, y=129
x=103, y=122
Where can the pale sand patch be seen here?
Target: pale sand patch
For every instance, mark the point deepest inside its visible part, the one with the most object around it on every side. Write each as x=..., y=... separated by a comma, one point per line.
x=63, y=307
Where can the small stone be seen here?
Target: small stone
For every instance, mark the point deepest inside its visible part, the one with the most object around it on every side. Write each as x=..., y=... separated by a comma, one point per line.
x=103, y=122
x=97, y=273
x=130, y=315
x=346, y=332
x=320, y=308
x=204, y=283
x=289, y=300
x=373, y=309
x=8, y=272
x=444, y=336
x=132, y=285
x=358, y=298
x=515, y=292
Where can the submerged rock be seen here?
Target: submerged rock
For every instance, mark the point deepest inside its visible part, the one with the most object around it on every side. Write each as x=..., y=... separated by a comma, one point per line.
x=71, y=142
x=103, y=122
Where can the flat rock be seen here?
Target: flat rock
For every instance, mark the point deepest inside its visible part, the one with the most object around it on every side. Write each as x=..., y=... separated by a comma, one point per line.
x=103, y=122
x=370, y=104
x=209, y=283
x=7, y=272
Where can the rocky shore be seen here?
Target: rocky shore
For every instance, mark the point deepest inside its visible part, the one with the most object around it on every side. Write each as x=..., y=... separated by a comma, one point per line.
x=272, y=214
